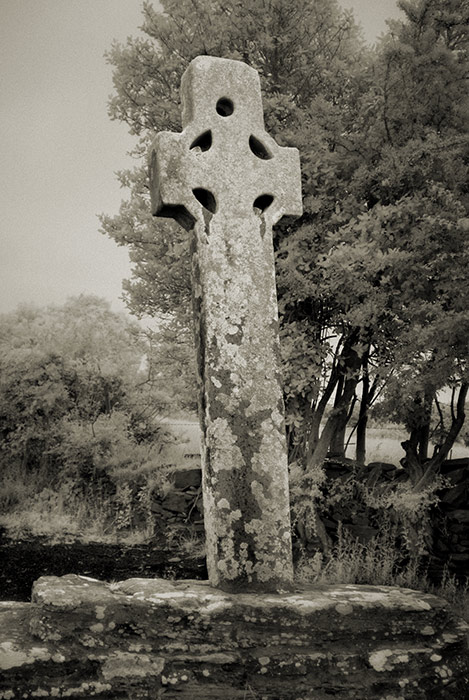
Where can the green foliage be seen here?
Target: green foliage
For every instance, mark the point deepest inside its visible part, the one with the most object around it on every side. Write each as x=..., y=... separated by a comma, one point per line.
x=377, y=562
x=365, y=505
x=63, y=508
x=393, y=547
x=379, y=267
x=171, y=362
x=307, y=501
x=79, y=414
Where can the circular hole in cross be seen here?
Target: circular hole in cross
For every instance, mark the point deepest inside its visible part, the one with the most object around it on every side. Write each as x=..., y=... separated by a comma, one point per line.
x=263, y=202
x=206, y=199
x=204, y=141
x=258, y=148
x=225, y=107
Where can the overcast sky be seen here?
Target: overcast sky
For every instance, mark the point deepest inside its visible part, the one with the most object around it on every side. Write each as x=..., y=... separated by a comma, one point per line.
x=59, y=150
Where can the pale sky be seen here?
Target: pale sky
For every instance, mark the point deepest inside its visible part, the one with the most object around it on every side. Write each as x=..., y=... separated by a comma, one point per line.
x=59, y=149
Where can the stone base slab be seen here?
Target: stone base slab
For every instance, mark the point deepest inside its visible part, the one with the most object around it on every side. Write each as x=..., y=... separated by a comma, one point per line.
x=153, y=638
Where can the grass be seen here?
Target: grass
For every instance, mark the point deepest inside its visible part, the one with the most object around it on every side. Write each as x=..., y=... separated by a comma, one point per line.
x=383, y=444
x=375, y=563
x=41, y=506
x=379, y=563
x=59, y=528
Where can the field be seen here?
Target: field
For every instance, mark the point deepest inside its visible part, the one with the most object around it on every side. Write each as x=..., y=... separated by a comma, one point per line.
x=383, y=443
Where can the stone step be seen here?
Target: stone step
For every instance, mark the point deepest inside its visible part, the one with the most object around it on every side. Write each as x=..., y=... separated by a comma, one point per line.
x=149, y=638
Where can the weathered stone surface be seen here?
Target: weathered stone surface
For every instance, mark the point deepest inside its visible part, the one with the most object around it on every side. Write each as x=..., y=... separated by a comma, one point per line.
x=227, y=179
x=145, y=638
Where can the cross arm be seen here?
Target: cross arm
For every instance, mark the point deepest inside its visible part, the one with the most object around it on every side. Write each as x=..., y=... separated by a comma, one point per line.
x=282, y=179
x=169, y=193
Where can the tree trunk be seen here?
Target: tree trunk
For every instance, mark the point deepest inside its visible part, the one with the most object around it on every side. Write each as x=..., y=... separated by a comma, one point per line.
x=416, y=447
x=360, y=451
x=337, y=447
x=350, y=367
x=318, y=413
x=422, y=475
x=424, y=434
x=432, y=467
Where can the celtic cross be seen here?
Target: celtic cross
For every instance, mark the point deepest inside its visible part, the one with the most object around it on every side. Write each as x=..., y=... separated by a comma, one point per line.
x=225, y=179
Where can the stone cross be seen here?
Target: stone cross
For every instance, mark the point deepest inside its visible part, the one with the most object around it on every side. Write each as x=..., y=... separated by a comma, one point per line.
x=227, y=180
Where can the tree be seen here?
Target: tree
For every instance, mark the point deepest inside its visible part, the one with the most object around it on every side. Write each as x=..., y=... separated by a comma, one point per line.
x=71, y=388
x=406, y=163
x=366, y=276
x=171, y=363
x=423, y=170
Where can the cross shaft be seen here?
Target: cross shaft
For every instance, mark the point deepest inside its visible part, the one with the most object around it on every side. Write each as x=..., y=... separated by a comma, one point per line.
x=226, y=179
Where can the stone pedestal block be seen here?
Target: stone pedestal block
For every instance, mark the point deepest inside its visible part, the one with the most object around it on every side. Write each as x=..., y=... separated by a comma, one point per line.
x=152, y=638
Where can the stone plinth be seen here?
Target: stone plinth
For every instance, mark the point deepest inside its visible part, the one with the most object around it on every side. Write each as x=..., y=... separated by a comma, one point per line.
x=144, y=638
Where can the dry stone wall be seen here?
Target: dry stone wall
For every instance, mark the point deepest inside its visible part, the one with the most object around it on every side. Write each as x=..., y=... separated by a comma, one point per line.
x=151, y=638
x=183, y=507
x=182, y=504
x=451, y=519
